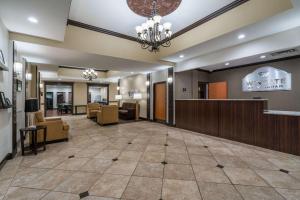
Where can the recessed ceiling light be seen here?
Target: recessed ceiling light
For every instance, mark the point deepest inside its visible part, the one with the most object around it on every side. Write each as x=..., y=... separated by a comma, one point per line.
x=241, y=36
x=227, y=64
x=33, y=20
x=263, y=56
x=181, y=56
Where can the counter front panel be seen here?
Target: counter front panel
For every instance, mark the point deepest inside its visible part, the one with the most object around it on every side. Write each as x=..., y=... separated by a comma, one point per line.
x=240, y=120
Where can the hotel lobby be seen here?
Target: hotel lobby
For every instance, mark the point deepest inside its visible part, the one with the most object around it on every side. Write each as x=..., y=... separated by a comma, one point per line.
x=150, y=100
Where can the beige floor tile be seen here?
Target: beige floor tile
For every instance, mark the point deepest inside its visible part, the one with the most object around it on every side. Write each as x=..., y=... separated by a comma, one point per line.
x=176, y=149
x=108, y=154
x=16, y=193
x=181, y=172
x=295, y=174
x=4, y=185
x=259, y=163
x=110, y=185
x=88, y=153
x=289, y=194
x=279, y=179
x=203, y=160
x=217, y=191
x=243, y=176
x=155, y=148
x=177, y=158
x=258, y=193
x=79, y=182
x=143, y=188
x=50, y=162
x=69, y=151
x=221, y=151
x=60, y=196
x=97, y=198
x=198, y=150
x=72, y=164
x=153, y=157
x=230, y=161
x=286, y=163
x=180, y=190
x=96, y=165
x=136, y=147
x=122, y=167
x=130, y=155
x=27, y=175
x=153, y=170
x=49, y=180
x=8, y=171
x=210, y=174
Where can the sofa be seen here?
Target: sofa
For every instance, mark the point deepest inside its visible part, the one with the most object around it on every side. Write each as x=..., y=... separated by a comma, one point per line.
x=108, y=114
x=57, y=129
x=92, y=109
x=127, y=111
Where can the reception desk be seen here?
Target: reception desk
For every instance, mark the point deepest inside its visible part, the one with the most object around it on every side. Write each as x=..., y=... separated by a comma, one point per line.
x=243, y=120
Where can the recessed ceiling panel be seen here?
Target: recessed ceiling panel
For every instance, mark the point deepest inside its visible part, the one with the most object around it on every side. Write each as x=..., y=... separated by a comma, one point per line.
x=42, y=18
x=115, y=15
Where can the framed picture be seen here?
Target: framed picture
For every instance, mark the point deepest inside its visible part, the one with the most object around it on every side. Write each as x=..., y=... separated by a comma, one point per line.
x=19, y=86
x=2, y=57
x=8, y=103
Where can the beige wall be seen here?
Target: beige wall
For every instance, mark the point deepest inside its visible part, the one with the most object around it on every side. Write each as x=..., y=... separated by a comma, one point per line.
x=80, y=93
x=135, y=83
x=112, y=91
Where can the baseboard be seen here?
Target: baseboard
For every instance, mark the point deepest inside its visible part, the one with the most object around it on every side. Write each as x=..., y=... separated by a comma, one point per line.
x=57, y=141
x=8, y=156
x=78, y=113
x=143, y=118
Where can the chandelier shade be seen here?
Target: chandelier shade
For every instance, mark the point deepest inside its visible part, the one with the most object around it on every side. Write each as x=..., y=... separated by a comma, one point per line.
x=89, y=74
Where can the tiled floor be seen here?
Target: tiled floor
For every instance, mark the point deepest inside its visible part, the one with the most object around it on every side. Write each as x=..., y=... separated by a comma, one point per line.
x=149, y=161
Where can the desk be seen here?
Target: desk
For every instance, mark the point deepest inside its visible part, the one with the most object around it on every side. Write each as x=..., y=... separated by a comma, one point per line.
x=242, y=120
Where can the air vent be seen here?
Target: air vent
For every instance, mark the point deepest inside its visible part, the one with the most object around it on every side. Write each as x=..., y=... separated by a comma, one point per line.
x=285, y=52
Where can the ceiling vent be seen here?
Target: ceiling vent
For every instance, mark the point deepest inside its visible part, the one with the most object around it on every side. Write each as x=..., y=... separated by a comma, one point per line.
x=284, y=53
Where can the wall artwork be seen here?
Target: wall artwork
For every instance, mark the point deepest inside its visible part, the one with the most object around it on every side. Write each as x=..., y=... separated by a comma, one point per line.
x=4, y=102
x=267, y=79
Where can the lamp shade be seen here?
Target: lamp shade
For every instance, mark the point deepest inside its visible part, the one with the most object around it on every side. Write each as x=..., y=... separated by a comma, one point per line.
x=31, y=105
x=118, y=97
x=137, y=96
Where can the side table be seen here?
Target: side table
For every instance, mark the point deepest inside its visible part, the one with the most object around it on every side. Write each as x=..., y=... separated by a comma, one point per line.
x=33, y=130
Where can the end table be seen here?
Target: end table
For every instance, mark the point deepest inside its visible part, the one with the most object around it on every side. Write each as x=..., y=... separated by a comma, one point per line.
x=33, y=130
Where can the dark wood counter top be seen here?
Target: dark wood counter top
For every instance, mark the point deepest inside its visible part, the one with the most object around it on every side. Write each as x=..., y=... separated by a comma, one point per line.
x=241, y=120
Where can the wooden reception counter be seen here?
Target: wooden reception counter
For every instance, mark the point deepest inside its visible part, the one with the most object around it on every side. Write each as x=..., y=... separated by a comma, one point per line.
x=247, y=121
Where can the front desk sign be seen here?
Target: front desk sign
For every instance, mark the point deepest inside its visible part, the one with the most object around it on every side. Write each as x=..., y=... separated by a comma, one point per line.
x=267, y=79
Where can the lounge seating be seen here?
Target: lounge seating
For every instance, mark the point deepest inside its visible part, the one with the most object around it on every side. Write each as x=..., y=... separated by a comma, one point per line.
x=127, y=111
x=108, y=114
x=57, y=130
x=92, y=109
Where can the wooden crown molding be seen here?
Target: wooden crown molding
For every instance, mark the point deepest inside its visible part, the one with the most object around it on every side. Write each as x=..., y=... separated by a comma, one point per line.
x=211, y=16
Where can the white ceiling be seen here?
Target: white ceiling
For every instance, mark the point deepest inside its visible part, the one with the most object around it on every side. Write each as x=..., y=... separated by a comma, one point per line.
x=115, y=15
x=51, y=14
x=57, y=56
x=284, y=21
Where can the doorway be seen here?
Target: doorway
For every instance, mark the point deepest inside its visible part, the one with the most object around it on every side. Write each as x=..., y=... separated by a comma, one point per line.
x=98, y=93
x=202, y=90
x=58, y=98
x=160, y=94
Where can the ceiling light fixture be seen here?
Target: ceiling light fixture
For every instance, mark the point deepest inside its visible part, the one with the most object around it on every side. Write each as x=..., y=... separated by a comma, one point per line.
x=241, y=36
x=33, y=20
x=227, y=64
x=181, y=56
x=152, y=34
x=89, y=74
x=263, y=56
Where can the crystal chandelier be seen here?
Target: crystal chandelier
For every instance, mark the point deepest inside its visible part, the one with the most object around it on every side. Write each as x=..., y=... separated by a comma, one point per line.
x=152, y=34
x=89, y=74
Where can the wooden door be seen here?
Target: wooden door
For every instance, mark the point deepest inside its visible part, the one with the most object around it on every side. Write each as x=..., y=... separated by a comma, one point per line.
x=217, y=90
x=160, y=101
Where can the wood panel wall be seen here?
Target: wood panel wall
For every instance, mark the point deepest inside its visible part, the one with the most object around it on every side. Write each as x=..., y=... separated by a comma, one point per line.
x=242, y=121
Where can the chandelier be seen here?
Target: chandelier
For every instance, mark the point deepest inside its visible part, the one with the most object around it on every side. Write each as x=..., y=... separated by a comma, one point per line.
x=89, y=74
x=152, y=34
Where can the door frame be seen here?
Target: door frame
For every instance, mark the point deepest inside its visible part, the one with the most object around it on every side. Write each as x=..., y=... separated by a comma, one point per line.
x=166, y=102
x=100, y=85
x=58, y=83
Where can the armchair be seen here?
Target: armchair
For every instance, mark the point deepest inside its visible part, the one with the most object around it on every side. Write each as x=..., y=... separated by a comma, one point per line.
x=127, y=111
x=57, y=130
x=108, y=114
x=92, y=109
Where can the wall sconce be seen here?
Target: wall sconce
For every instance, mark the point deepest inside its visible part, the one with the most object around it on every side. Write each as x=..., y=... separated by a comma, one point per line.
x=18, y=67
x=170, y=79
x=41, y=85
x=118, y=88
x=147, y=83
x=28, y=76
